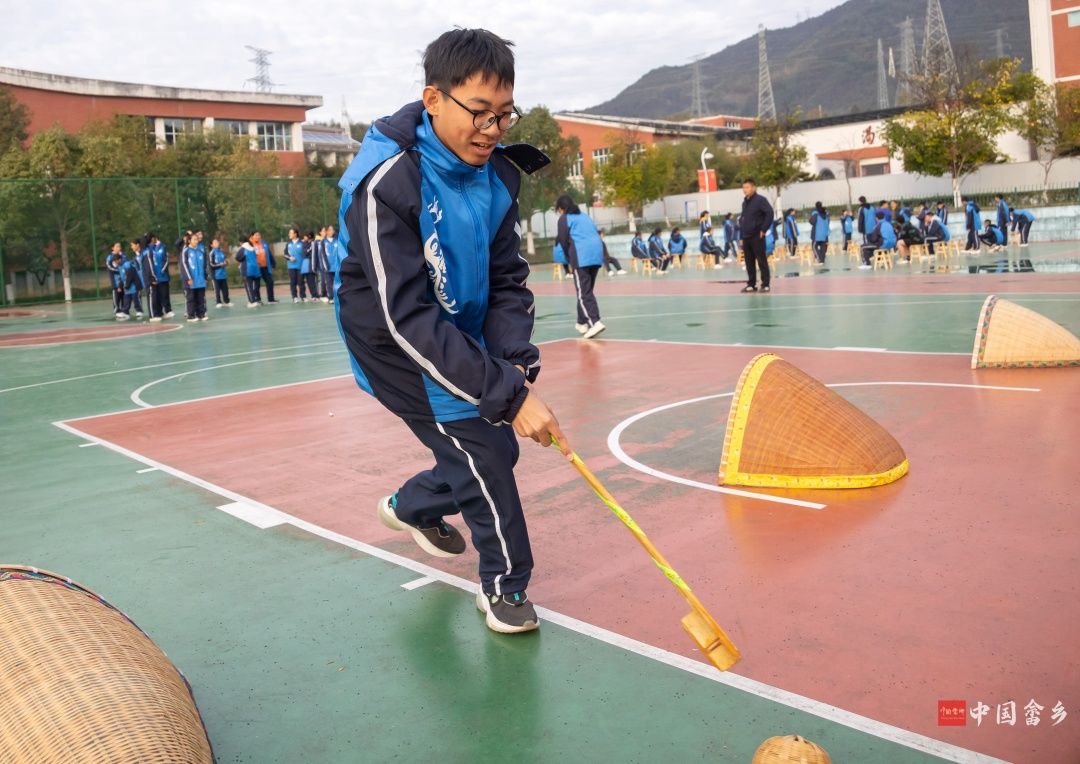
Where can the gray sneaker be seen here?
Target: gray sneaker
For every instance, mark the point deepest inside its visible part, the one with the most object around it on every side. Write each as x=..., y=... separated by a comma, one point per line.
x=508, y=614
x=442, y=540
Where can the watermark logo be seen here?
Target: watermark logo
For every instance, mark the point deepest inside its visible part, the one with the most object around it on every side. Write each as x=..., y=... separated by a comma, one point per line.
x=952, y=713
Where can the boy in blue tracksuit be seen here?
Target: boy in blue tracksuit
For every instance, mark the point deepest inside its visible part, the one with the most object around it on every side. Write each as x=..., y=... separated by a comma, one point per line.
x=147, y=280
x=973, y=224
x=1002, y=212
x=580, y=241
x=319, y=265
x=791, y=232
x=658, y=253
x=252, y=256
x=934, y=231
x=676, y=244
x=432, y=305
x=729, y=238
x=160, y=256
x=848, y=227
x=1021, y=221
x=193, y=277
x=993, y=236
x=881, y=236
x=819, y=231
x=867, y=218
x=220, y=273
x=707, y=246
x=113, y=258
x=128, y=280
x=307, y=265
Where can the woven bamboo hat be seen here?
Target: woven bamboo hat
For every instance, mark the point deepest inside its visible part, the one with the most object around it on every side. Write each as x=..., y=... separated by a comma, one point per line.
x=1011, y=336
x=787, y=430
x=790, y=749
x=79, y=682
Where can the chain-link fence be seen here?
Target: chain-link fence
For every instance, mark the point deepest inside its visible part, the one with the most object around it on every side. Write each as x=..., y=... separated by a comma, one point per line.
x=44, y=222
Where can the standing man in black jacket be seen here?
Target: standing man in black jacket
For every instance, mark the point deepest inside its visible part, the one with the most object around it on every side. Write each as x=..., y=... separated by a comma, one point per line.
x=757, y=217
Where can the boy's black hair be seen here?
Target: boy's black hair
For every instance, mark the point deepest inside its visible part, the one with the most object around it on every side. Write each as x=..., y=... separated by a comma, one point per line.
x=862, y=200
x=566, y=203
x=457, y=55
x=751, y=181
x=964, y=199
x=880, y=215
x=657, y=231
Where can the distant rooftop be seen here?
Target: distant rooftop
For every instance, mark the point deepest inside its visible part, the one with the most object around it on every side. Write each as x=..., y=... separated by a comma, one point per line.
x=106, y=88
x=666, y=126
x=328, y=137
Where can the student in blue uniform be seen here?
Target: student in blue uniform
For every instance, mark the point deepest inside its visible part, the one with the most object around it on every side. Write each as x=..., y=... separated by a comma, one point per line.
x=819, y=231
x=677, y=244
x=942, y=213
x=610, y=262
x=1002, y=212
x=558, y=257
x=433, y=307
x=883, y=206
x=1021, y=221
x=867, y=219
x=248, y=256
x=307, y=267
x=791, y=232
x=710, y=251
x=145, y=263
x=993, y=236
x=704, y=223
x=935, y=231
x=848, y=227
x=193, y=276
x=658, y=253
x=294, y=260
x=584, y=250
x=730, y=252
x=129, y=281
x=220, y=272
x=319, y=264
x=335, y=253
x=113, y=258
x=638, y=249
x=882, y=236
x=161, y=274
x=973, y=224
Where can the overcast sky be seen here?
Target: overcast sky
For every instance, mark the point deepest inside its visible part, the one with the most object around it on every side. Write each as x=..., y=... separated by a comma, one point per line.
x=570, y=55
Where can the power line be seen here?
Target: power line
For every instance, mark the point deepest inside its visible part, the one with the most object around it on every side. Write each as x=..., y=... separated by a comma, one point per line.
x=697, y=103
x=882, y=79
x=938, y=57
x=907, y=62
x=262, y=81
x=766, y=106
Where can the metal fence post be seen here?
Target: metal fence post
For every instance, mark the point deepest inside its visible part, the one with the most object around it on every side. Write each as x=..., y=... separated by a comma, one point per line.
x=3, y=284
x=93, y=236
x=176, y=196
x=322, y=186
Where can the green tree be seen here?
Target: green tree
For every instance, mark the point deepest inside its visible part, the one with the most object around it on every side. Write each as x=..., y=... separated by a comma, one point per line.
x=539, y=190
x=1049, y=120
x=635, y=174
x=776, y=161
x=686, y=159
x=14, y=120
x=957, y=131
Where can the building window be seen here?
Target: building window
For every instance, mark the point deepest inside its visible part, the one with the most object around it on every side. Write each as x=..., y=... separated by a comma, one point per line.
x=731, y=124
x=866, y=170
x=231, y=126
x=1074, y=19
x=174, y=128
x=577, y=169
x=601, y=156
x=273, y=136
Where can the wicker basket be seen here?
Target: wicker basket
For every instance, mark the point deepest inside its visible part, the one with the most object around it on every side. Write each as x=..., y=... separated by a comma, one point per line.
x=787, y=430
x=1011, y=336
x=790, y=749
x=79, y=682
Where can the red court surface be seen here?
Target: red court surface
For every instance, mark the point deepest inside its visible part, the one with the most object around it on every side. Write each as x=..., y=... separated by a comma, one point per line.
x=70, y=335
x=21, y=313
x=958, y=581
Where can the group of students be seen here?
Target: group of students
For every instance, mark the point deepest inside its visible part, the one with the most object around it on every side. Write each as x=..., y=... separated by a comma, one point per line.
x=312, y=261
x=656, y=251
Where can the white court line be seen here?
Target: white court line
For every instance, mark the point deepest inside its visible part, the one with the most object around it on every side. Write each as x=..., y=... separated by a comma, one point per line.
x=136, y=396
x=148, y=469
x=260, y=516
x=861, y=350
x=166, y=363
x=781, y=347
x=798, y=702
x=133, y=335
x=615, y=446
x=87, y=445
x=418, y=583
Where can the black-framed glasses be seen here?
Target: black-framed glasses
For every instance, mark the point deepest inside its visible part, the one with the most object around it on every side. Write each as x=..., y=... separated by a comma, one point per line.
x=482, y=119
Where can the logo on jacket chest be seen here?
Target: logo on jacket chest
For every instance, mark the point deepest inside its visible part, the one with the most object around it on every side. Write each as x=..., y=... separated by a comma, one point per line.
x=436, y=265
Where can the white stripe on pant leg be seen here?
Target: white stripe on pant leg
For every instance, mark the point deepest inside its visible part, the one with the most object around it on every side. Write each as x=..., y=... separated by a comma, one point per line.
x=491, y=504
x=581, y=302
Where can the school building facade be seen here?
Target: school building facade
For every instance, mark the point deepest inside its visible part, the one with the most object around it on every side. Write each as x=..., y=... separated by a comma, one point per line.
x=1055, y=40
x=271, y=121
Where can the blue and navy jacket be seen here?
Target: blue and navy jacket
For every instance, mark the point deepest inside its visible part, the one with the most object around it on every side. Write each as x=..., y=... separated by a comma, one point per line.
x=334, y=252
x=676, y=244
x=819, y=226
x=1003, y=215
x=557, y=254
x=306, y=250
x=250, y=259
x=431, y=296
x=146, y=268
x=637, y=247
x=217, y=262
x=905, y=213
x=128, y=277
x=883, y=235
x=867, y=219
x=295, y=250
x=1020, y=216
x=193, y=267
x=972, y=217
x=937, y=231
x=729, y=231
x=943, y=215
x=112, y=265
x=318, y=256
x=161, y=263
x=704, y=226
x=770, y=239
x=656, y=247
x=791, y=228
x=580, y=241
x=846, y=225
x=997, y=233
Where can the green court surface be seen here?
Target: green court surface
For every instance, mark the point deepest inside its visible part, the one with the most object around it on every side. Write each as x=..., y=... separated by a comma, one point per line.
x=302, y=649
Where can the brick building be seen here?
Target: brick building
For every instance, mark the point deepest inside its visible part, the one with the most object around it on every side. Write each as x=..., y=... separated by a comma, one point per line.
x=1055, y=40
x=272, y=121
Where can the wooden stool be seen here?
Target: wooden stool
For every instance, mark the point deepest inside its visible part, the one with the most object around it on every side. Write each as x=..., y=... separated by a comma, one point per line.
x=647, y=267
x=676, y=261
x=883, y=259
x=558, y=273
x=806, y=254
x=704, y=261
x=634, y=263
